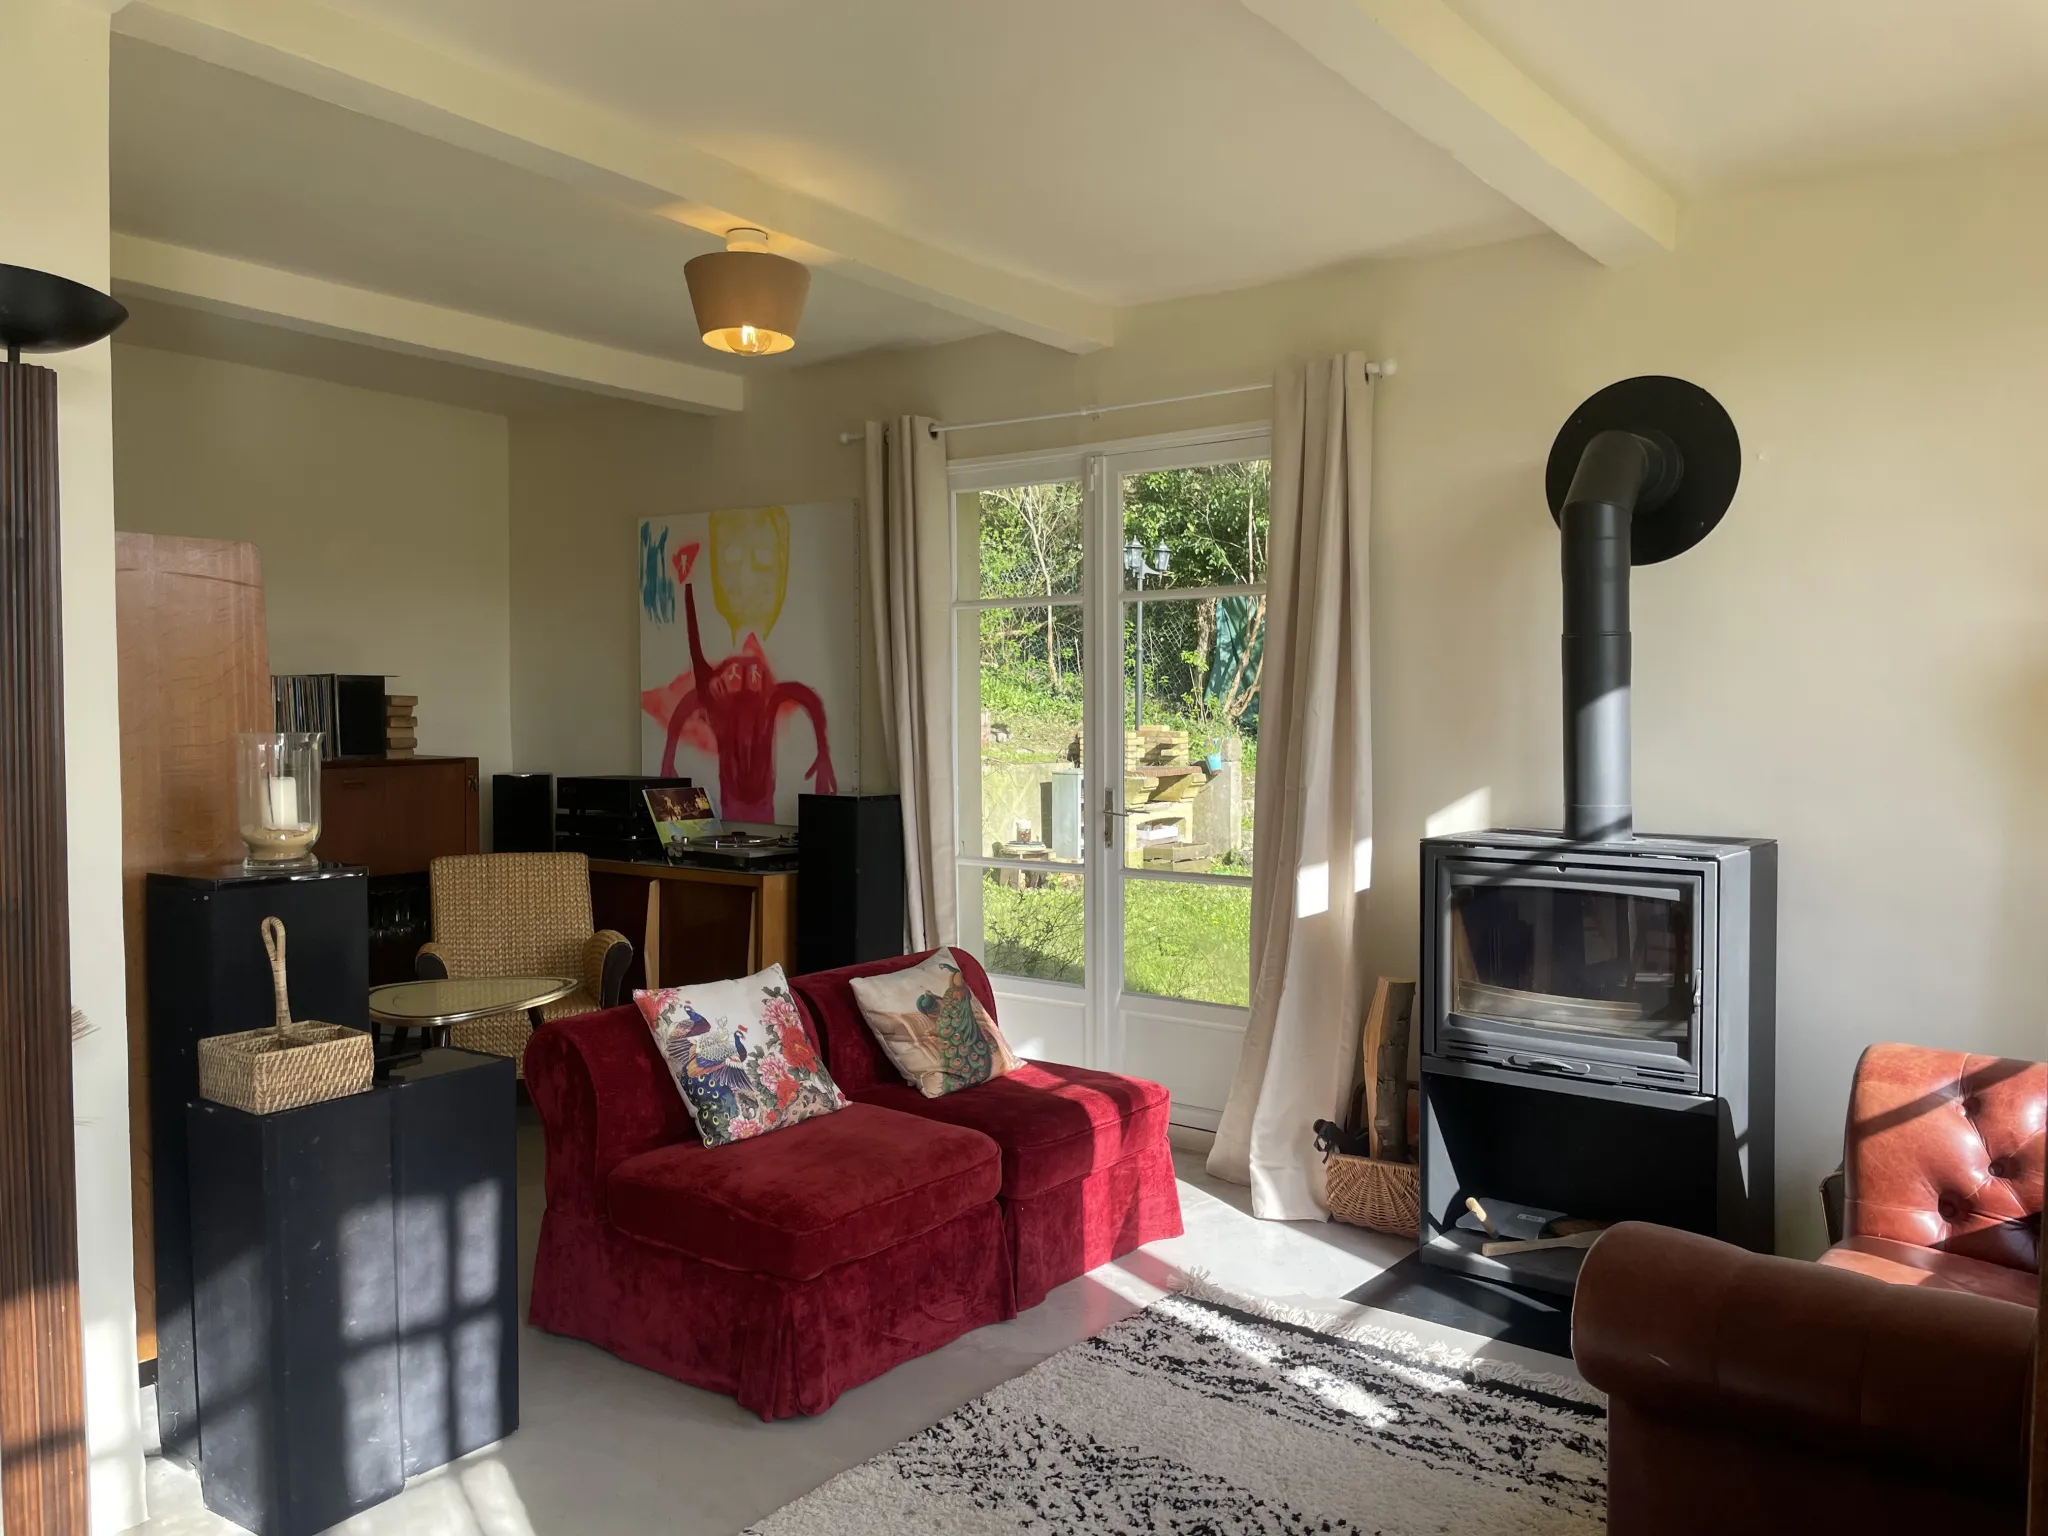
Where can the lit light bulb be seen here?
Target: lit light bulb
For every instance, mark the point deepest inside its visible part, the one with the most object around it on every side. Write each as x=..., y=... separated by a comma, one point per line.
x=750, y=340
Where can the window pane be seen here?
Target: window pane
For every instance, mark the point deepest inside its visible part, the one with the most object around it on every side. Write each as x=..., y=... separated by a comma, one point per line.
x=1020, y=720
x=1031, y=923
x=1022, y=541
x=1191, y=941
x=1191, y=731
x=1197, y=527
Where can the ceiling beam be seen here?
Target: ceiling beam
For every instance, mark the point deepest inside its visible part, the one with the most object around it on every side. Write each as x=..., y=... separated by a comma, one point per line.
x=377, y=70
x=225, y=285
x=1426, y=65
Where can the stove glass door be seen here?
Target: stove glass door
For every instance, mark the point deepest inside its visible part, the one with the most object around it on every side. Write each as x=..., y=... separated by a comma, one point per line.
x=1599, y=959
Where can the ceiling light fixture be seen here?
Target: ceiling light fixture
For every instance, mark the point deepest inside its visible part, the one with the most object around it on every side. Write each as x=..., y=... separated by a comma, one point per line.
x=748, y=300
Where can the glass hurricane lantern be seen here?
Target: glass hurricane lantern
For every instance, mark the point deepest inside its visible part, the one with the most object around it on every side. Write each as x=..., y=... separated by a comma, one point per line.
x=277, y=795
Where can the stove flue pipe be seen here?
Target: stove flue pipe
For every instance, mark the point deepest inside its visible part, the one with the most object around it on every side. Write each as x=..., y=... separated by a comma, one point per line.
x=1617, y=473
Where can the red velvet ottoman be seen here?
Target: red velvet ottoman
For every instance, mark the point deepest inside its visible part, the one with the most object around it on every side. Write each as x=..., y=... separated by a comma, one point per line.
x=781, y=1270
x=1087, y=1170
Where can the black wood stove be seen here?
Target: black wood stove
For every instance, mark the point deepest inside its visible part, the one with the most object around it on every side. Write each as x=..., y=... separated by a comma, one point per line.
x=1598, y=1008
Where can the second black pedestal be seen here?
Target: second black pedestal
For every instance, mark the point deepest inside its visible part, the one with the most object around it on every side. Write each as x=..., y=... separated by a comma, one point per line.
x=454, y=1163
x=295, y=1319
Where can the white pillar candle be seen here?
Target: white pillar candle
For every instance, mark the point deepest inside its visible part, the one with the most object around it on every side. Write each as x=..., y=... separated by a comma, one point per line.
x=284, y=801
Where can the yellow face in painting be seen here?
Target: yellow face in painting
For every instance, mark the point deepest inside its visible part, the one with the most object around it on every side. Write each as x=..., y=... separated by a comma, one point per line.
x=750, y=568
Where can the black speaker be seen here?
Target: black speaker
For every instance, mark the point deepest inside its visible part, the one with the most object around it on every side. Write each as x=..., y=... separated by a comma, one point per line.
x=849, y=889
x=522, y=813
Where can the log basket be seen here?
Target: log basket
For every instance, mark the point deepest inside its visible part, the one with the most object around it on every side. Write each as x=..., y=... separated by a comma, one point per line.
x=1368, y=1179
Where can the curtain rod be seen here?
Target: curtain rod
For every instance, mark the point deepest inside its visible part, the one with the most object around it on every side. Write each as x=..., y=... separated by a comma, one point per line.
x=939, y=429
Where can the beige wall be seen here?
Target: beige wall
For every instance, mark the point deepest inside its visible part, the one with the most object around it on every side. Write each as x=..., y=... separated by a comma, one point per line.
x=382, y=522
x=1855, y=663
x=53, y=215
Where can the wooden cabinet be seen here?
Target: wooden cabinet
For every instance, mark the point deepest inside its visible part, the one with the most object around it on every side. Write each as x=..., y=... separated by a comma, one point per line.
x=395, y=816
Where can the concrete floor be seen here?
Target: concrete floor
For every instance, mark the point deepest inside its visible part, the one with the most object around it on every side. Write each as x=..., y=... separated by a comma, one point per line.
x=605, y=1447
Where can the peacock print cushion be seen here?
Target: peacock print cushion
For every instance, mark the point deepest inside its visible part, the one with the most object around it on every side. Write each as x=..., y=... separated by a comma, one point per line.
x=739, y=1055
x=933, y=1026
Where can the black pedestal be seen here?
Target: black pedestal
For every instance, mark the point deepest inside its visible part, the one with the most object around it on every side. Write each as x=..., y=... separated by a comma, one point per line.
x=455, y=1165
x=295, y=1318
x=208, y=975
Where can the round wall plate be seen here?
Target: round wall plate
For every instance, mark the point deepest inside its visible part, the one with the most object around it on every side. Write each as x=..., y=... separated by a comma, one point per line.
x=42, y=312
x=1690, y=419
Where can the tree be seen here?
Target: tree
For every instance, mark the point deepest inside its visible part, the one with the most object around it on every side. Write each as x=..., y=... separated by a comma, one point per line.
x=1031, y=544
x=1215, y=525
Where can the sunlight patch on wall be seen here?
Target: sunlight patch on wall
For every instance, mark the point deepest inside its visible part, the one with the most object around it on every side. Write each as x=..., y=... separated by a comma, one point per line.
x=1469, y=813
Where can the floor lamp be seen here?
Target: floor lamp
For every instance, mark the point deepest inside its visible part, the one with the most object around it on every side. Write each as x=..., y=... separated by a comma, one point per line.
x=42, y=1376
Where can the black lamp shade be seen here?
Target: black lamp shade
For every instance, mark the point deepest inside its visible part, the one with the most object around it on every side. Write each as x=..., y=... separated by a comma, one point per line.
x=42, y=312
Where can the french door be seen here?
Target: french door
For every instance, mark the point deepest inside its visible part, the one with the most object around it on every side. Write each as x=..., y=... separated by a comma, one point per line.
x=1114, y=597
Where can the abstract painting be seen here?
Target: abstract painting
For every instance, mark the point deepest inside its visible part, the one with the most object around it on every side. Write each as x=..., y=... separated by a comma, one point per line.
x=749, y=653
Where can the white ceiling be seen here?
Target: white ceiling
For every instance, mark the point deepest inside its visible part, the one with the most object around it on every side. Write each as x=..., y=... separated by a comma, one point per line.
x=170, y=327
x=1129, y=150
x=1110, y=152
x=206, y=157
x=1715, y=93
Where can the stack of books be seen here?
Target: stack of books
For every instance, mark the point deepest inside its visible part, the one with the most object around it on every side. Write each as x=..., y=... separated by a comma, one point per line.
x=401, y=728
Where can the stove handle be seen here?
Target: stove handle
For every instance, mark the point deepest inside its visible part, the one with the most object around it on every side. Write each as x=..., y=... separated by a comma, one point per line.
x=1550, y=1064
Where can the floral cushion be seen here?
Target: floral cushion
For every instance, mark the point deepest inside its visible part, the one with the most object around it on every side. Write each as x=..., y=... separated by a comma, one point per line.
x=934, y=1029
x=739, y=1055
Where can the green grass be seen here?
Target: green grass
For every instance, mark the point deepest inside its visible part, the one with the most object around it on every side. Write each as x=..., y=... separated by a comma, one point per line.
x=1038, y=933
x=1191, y=941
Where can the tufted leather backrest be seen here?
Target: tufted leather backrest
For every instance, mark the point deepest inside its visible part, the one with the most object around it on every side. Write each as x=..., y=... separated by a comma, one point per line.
x=1946, y=1151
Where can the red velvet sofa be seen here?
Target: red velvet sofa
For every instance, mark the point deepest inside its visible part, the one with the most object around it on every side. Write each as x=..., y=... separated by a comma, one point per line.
x=785, y=1269
x=1087, y=1169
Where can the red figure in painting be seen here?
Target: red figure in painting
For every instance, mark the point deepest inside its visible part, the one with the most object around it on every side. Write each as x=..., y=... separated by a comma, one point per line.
x=737, y=703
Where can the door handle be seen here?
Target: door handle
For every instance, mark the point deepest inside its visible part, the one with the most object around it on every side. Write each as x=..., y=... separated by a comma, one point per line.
x=1110, y=817
x=1550, y=1064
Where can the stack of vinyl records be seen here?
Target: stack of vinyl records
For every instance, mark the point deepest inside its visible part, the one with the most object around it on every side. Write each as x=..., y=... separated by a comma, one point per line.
x=347, y=710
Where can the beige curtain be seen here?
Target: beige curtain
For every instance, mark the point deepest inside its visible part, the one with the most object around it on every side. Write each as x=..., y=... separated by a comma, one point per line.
x=1314, y=798
x=907, y=544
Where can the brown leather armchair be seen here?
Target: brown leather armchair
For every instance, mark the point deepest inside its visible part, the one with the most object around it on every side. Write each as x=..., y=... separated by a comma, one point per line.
x=1942, y=1167
x=1758, y=1394
x=1765, y=1395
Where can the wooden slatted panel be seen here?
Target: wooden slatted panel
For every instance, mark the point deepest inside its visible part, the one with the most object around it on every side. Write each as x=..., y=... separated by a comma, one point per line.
x=42, y=1378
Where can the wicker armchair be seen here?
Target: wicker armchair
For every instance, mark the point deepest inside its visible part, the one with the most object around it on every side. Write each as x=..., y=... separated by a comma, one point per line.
x=520, y=914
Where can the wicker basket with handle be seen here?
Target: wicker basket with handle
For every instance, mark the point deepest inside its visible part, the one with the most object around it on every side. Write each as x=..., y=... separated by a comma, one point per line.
x=1381, y=1191
x=288, y=1065
x=1374, y=1192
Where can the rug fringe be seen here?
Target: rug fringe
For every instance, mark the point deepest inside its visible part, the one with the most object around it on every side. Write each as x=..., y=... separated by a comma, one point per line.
x=1359, y=1327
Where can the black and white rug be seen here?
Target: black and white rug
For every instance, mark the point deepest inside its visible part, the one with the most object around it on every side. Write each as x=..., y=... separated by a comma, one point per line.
x=1203, y=1419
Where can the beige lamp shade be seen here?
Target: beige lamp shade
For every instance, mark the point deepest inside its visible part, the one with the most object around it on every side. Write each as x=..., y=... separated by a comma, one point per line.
x=747, y=301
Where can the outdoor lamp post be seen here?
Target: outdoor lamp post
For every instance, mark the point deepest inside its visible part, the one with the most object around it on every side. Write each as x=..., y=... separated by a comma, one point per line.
x=1136, y=563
